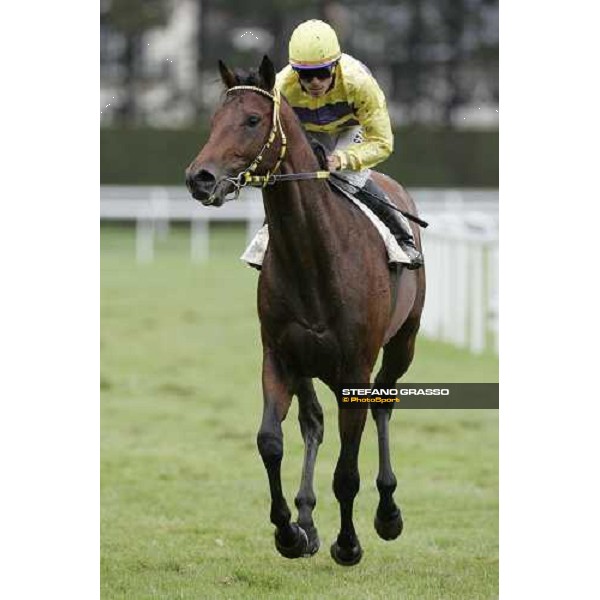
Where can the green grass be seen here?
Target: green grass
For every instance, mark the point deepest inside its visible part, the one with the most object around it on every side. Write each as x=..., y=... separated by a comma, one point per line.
x=184, y=495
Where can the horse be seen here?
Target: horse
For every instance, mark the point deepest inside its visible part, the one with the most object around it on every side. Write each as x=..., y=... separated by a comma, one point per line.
x=327, y=302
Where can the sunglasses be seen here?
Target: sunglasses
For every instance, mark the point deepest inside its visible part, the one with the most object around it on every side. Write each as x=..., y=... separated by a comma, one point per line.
x=308, y=74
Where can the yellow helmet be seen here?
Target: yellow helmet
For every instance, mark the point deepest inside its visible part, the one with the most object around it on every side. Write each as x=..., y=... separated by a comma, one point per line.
x=313, y=45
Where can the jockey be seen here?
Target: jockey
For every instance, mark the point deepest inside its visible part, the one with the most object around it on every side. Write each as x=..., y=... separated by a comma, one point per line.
x=341, y=106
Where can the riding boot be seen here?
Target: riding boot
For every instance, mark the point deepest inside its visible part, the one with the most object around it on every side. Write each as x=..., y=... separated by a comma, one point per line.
x=394, y=220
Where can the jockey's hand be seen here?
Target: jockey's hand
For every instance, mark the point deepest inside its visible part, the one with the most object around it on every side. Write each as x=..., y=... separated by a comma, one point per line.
x=333, y=163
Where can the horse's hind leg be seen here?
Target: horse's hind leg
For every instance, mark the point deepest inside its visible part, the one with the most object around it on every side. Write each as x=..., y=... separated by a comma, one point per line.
x=310, y=416
x=290, y=540
x=397, y=356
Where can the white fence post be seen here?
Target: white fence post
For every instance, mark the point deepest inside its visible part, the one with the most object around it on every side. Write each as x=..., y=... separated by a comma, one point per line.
x=461, y=298
x=199, y=240
x=159, y=201
x=445, y=285
x=477, y=308
x=493, y=271
x=431, y=322
x=144, y=239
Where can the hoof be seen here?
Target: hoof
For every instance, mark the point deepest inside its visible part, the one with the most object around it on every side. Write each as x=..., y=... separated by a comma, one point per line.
x=344, y=557
x=298, y=548
x=389, y=529
x=313, y=541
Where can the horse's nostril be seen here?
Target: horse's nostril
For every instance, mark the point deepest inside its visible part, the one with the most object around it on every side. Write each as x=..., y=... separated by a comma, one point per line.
x=204, y=176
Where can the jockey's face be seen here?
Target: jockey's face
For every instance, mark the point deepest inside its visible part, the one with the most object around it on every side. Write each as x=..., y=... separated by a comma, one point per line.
x=315, y=82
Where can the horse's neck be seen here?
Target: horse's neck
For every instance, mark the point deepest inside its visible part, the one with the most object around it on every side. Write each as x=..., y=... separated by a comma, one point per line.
x=301, y=215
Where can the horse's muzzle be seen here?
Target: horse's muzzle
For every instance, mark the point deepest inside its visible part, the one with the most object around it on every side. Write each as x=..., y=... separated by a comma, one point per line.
x=206, y=188
x=201, y=184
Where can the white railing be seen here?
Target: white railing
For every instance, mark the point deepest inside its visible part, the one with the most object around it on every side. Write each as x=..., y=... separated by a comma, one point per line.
x=153, y=209
x=460, y=245
x=461, y=258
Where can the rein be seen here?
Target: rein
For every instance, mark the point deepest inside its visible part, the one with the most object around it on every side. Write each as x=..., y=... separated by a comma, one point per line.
x=247, y=177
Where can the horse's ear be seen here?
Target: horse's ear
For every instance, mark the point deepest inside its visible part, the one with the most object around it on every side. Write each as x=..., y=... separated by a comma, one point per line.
x=267, y=73
x=227, y=75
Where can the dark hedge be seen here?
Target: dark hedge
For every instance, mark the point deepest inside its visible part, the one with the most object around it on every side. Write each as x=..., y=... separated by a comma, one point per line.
x=423, y=157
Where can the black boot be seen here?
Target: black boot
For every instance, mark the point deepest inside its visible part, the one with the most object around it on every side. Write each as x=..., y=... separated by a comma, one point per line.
x=392, y=219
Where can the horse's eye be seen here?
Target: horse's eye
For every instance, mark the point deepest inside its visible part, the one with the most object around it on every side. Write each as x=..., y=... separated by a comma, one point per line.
x=252, y=120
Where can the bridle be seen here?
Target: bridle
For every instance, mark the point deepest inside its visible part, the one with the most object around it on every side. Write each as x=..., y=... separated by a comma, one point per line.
x=247, y=176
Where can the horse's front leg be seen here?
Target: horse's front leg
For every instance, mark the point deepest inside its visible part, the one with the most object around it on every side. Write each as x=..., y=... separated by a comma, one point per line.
x=346, y=550
x=310, y=415
x=290, y=540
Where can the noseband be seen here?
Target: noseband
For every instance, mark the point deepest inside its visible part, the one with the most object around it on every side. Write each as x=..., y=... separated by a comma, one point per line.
x=247, y=177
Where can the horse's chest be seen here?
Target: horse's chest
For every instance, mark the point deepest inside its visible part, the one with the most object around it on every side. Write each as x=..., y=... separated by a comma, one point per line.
x=306, y=326
x=311, y=351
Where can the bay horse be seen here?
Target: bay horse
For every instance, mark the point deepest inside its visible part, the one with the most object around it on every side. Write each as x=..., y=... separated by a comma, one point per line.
x=327, y=302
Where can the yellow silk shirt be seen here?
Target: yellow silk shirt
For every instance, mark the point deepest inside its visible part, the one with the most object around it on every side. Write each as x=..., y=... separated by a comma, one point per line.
x=354, y=99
